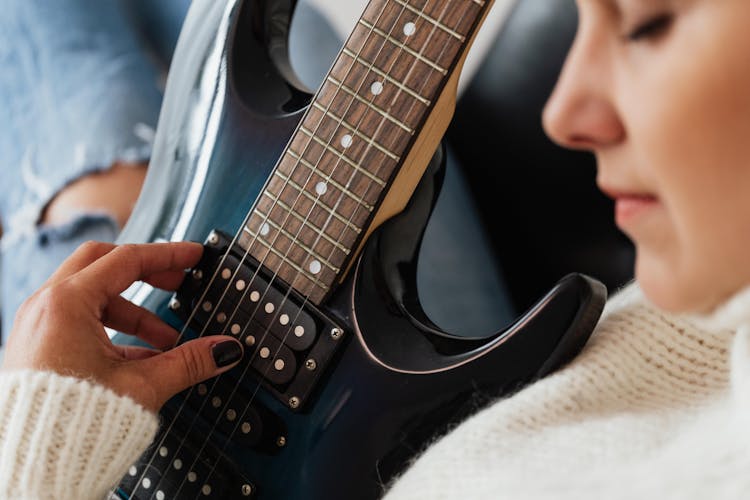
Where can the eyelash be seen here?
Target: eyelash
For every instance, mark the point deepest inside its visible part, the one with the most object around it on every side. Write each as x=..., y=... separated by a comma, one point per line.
x=651, y=29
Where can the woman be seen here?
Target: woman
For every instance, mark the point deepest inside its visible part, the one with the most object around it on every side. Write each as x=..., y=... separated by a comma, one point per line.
x=656, y=405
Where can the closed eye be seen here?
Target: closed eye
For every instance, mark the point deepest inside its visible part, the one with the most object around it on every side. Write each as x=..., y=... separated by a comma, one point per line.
x=651, y=29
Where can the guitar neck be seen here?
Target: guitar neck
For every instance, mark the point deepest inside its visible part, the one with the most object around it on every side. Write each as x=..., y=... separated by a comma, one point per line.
x=330, y=186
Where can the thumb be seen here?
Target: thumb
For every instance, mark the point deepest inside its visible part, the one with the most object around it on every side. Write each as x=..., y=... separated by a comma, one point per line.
x=189, y=364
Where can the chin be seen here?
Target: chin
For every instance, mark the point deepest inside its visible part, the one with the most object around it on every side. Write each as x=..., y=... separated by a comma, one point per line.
x=672, y=289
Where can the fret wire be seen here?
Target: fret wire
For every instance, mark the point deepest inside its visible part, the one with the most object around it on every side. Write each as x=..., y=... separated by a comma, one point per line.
x=289, y=209
x=356, y=132
x=428, y=18
x=338, y=153
x=388, y=78
x=403, y=46
x=309, y=224
x=307, y=249
x=310, y=197
x=371, y=105
x=286, y=260
x=234, y=430
x=180, y=409
x=331, y=180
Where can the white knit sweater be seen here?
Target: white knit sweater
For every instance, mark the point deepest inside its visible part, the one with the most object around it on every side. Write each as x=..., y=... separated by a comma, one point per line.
x=654, y=407
x=65, y=438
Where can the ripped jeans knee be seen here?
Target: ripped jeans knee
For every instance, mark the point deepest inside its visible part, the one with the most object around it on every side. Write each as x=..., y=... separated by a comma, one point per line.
x=30, y=258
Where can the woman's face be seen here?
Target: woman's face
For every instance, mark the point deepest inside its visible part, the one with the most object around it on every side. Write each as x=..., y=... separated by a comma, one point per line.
x=659, y=90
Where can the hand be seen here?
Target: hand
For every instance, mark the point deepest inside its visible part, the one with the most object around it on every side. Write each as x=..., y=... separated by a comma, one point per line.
x=61, y=327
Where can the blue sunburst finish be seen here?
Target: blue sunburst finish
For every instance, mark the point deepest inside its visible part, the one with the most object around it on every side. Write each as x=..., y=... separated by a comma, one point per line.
x=397, y=379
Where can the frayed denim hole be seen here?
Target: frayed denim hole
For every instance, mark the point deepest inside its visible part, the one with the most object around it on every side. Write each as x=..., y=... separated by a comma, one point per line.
x=100, y=226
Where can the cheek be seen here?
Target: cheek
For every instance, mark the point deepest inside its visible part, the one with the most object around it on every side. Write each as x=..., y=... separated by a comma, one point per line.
x=691, y=143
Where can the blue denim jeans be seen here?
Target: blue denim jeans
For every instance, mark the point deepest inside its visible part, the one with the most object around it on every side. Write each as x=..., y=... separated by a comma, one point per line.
x=79, y=91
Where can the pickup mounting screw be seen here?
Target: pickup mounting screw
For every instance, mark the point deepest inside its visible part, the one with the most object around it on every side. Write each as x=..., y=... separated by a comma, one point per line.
x=310, y=364
x=247, y=490
x=294, y=402
x=174, y=304
x=336, y=333
x=281, y=441
x=213, y=238
x=197, y=274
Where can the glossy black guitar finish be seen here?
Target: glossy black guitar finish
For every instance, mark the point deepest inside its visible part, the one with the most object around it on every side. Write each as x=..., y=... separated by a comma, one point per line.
x=370, y=379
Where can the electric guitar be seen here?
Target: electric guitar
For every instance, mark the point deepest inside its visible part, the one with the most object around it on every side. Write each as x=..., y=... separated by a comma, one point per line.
x=344, y=377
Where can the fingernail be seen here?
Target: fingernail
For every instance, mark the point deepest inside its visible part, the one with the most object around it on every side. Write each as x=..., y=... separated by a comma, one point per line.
x=226, y=353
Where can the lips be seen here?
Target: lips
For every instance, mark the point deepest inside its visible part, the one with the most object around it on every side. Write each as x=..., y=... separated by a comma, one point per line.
x=631, y=206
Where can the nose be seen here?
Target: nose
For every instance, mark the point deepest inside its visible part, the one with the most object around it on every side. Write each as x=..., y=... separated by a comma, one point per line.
x=580, y=113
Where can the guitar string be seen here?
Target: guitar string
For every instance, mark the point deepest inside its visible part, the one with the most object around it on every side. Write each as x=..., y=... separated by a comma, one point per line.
x=340, y=199
x=216, y=272
x=434, y=29
x=271, y=283
x=191, y=316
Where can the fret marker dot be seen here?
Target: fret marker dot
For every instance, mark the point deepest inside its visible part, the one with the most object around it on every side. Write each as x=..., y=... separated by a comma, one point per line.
x=265, y=352
x=376, y=88
x=177, y=464
x=221, y=317
x=254, y=296
x=163, y=451
x=250, y=340
x=231, y=415
x=216, y=401
x=284, y=319
x=265, y=229
x=226, y=273
x=235, y=329
x=240, y=285
x=278, y=364
x=206, y=490
x=299, y=330
x=202, y=390
x=269, y=307
x=192, y=476
x=132, y=471
x=246, y=427
x=160, y=495
x=321, y=188
x=146, y=483
x=346, y=141
x=207, y=306
x=410, y=28
x=315, y=267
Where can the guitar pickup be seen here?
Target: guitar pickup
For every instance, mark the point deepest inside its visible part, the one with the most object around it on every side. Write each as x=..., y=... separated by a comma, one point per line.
x=271, y=359
x=226, y=408
x=235, y=294
x=288, y=341
x=170, y=469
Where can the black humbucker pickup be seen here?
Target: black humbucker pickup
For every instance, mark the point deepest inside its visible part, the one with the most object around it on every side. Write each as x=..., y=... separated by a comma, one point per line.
x=230, y=412
x=170, y=469
x=287, y=340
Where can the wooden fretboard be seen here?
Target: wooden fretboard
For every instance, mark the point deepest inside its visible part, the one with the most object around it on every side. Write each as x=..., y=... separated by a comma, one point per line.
x=323, y=193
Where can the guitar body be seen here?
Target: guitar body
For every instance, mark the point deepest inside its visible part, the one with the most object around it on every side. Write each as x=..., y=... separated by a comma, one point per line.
x=380, y=380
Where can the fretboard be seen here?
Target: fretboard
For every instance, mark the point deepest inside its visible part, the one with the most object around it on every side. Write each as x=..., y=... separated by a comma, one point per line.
x=341, y=160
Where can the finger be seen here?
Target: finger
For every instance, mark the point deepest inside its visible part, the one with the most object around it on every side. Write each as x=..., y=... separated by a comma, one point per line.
x=84, y=255
x=189, y=364
x=167, y=280
x=113, y=273
x=135, y=353
x=126, y=317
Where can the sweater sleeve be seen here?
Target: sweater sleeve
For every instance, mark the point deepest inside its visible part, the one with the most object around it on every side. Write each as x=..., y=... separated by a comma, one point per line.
x=62, y=437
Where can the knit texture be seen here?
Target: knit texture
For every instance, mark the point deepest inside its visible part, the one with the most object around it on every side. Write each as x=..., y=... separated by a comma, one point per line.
x=653, y=407
x=66, y=438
